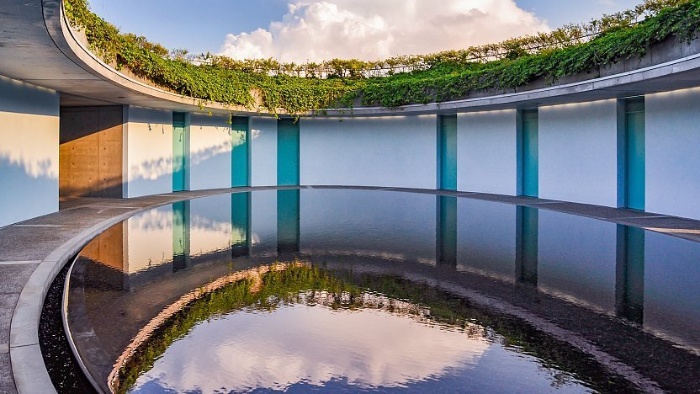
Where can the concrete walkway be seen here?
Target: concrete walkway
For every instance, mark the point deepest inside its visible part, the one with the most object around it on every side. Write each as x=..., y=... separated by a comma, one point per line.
x=34, y=251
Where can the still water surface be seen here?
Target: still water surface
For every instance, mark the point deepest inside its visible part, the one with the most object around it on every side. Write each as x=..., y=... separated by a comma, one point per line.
x=357, y=290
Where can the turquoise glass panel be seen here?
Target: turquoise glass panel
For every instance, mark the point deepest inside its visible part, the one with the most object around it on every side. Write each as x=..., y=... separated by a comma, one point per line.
x=530, y=153
x=240, y=154
x=635, y=154
x=179, y=152
x=287, y=152
x=447, y=152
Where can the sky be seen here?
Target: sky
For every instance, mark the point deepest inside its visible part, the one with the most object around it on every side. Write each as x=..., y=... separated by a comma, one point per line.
x=314, y=30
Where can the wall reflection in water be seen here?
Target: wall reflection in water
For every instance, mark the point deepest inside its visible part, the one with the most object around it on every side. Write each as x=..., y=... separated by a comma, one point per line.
x=645, y=278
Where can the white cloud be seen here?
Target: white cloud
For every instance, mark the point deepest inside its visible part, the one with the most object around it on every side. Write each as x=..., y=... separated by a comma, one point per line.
x=317, y=30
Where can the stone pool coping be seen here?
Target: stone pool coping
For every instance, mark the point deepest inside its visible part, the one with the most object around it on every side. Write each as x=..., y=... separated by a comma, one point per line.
x=33, y=252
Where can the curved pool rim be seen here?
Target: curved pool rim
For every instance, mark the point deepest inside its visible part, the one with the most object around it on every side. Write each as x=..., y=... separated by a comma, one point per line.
x=28, y=368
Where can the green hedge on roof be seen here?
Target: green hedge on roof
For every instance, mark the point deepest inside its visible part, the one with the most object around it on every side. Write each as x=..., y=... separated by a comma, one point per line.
x=270, y=86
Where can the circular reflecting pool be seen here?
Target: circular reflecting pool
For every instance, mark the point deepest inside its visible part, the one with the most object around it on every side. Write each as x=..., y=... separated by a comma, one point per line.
x=358, y=290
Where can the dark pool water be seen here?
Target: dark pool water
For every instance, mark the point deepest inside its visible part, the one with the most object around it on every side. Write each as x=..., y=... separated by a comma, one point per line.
x=358, y=290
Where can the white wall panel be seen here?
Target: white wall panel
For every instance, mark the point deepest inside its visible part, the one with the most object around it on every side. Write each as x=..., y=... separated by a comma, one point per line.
x=487, y=152
x=29, y=160
x=673, y=153
x=578, y=152
x=263, y=152
x=210, y=152
x=149, y=156
x=390, y=151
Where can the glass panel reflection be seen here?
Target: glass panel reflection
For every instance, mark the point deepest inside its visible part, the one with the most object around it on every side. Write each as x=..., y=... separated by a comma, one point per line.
x=629, y=288
x=181, y=235
x=288, y=221
x=447, y=231
x=240, y=223
x=527, y=245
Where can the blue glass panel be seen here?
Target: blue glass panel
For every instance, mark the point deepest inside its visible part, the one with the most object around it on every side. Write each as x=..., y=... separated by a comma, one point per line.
x=447, y=152
x=635, y=155
x=179, y=152
x=530, y=153
x=287, y=152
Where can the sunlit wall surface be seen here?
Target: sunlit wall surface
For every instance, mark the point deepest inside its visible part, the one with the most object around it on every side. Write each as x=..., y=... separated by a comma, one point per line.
x=578, y=152
x=29, y=130
x=672, y=159
x=487, y=152
x=211, y=141
x=386, y=151
x=150, y=152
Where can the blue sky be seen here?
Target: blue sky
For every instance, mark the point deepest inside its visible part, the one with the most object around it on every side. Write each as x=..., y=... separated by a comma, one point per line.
x=229, y=25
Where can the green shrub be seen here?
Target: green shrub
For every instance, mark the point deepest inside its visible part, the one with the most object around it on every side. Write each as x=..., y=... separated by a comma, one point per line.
x=270, y=86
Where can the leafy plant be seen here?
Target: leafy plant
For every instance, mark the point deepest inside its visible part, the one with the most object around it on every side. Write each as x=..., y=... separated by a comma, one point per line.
x=270, y=86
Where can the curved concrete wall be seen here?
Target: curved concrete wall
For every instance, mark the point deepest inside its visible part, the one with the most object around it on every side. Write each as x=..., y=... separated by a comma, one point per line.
x=578, y=149
x=579, y=152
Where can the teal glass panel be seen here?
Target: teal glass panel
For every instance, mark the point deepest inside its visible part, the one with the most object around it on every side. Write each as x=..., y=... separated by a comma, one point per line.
x=447, y=231
x=287, y=152
x=447, y=152
x=179, y=152
x=635, y=154
x=181, y=235
x=527, y=247
x=288, y=222
x=240, y=224
x=240, y=154
x=629, y=287
x=530, y=153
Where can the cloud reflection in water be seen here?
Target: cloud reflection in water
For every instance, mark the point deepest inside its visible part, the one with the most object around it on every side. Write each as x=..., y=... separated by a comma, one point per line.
x=313, y=345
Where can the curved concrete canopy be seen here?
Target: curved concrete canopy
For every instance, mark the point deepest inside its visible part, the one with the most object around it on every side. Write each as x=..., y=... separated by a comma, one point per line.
x=37, y=46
